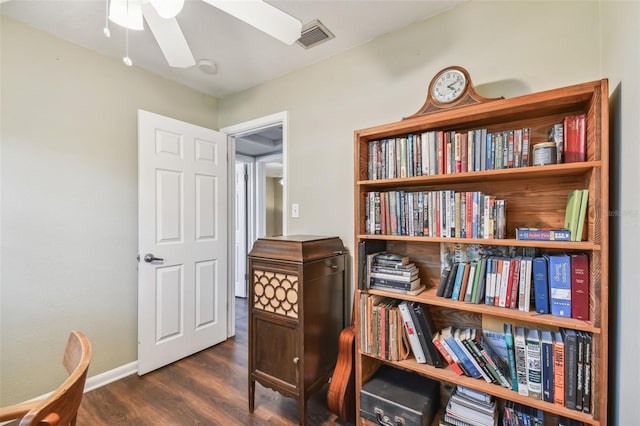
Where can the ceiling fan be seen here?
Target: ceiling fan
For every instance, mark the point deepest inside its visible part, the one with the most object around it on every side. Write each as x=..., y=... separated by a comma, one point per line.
x=160, y=16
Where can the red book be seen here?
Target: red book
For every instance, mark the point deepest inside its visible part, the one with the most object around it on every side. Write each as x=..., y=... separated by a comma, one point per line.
x=580, y=286
x=446, y=355
x=515, y=269
x=575, y=141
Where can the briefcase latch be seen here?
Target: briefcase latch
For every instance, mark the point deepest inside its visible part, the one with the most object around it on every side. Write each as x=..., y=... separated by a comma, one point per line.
x=386, y=420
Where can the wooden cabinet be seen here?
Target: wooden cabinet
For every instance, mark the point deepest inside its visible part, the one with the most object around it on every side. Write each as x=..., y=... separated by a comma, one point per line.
x=296, y=313
x=536, y=197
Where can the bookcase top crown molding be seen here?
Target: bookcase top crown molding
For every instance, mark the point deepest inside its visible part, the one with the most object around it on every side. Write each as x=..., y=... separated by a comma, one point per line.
x=449, y=88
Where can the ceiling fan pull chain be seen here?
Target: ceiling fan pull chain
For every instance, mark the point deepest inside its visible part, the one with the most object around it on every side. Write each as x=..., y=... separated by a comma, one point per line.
x=106, y=31
x=127, y=60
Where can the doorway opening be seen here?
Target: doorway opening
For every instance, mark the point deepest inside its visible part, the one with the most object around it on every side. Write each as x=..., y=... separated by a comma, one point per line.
x=258, y=150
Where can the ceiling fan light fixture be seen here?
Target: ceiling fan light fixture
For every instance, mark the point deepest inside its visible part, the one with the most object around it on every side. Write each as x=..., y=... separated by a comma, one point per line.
x=207, y=66
x=127, y=13
x=167, y=9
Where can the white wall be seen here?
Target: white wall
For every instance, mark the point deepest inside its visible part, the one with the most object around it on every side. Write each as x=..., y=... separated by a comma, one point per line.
x=69, y=203
x=510, y=49
x=621, y=64
x=502, y=45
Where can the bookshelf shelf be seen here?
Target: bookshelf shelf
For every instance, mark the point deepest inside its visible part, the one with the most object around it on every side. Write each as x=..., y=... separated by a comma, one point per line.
x=561, y=245
x=429, y=297
x=449, y=376
x=553, y=170
x=535, y=197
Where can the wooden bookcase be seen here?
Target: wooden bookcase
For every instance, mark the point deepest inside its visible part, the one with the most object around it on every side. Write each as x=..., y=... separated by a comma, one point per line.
x=536, y=196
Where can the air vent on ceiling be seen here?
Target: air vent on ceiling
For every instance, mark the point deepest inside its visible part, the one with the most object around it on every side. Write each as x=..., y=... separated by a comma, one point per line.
x=313, y=34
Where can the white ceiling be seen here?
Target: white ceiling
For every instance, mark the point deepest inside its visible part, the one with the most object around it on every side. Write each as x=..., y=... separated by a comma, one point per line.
x=244, y=56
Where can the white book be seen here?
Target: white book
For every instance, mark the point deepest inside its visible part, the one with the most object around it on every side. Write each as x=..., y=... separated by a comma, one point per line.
x=520, y=349
x=527, y=291
x=426, y=153
x=410, y=328
x=504, y=281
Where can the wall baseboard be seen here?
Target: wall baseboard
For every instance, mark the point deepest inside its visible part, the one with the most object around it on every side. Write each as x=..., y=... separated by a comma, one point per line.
x=107, y=377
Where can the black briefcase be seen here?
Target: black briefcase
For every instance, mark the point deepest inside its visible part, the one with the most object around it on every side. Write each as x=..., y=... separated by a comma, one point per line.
x=395, y=397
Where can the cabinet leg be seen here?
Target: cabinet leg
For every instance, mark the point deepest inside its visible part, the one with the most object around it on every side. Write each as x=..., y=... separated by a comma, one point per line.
x=302, y=410
x=252, y=394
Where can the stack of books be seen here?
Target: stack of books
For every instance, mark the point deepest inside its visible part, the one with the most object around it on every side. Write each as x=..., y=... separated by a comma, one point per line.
x=468, y=407
x=395, y=273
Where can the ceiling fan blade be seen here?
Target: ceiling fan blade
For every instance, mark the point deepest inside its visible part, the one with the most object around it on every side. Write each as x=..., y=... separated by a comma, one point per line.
x=169, y=37
x=263, y=16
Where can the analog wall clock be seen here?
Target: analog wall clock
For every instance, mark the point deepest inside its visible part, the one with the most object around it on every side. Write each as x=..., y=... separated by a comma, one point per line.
x=451, y=87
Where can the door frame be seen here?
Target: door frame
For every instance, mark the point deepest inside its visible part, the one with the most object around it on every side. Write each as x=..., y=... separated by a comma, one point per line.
x=249, y=164
x=251, y=126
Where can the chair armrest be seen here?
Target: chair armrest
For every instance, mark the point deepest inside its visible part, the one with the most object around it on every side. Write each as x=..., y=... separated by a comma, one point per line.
x=16, y=411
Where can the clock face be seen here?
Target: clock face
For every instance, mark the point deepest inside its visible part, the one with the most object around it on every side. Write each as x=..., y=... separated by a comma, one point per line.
x=448, y=86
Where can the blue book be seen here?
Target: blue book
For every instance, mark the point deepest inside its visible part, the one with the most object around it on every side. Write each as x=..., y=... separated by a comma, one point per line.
x=488, y=292
x=541, y=284
x=455, y=295
x=547, y=366
x=447, y=334
x=511, y=356
x=560, y=284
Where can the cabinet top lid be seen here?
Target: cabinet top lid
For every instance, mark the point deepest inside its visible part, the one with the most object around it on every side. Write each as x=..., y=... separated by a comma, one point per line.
x=297, y=248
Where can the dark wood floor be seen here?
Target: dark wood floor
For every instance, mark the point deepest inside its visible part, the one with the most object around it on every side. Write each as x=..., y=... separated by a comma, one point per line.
x=208, y=388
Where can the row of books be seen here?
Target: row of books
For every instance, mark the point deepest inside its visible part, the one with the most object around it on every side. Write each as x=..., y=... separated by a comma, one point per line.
x=469, y=407
x=437, y=152
x=541, y=364
x=554, y=366
x=381, y=328
x=392, y=328
x=447, y=214
x=559, y=283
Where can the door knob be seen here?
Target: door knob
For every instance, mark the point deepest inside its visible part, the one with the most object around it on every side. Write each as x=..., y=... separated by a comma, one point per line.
x=150, y=258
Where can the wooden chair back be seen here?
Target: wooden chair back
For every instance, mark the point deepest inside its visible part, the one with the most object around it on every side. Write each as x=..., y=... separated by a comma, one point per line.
x=61, y=407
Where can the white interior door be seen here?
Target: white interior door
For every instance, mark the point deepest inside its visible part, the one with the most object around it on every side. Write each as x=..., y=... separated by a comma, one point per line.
x=241, y=230
x=182, y=239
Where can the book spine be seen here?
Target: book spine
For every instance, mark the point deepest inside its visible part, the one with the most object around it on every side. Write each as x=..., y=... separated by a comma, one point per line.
x=525, y=147
x=580, y=286
x=511, y=357
x=575, y=138
x=580, y=372
x=547, y=367
x=455, y=294
x=570, y=368
x=586, y=395
x=560, y=285
x=540, y=285
x=520, y=347
x=412, y=335
x=424, y=324
x=558, y=369
x=532, y=234
x=402, y=285
x=534, y=365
